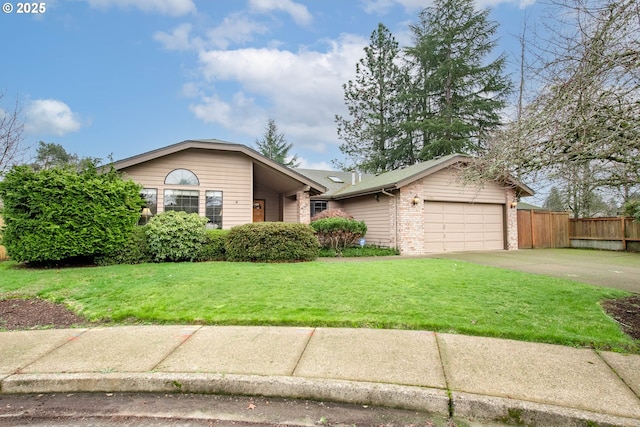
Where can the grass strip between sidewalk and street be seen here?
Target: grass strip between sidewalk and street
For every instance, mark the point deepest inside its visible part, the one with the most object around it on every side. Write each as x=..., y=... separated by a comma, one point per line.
x=427, y=294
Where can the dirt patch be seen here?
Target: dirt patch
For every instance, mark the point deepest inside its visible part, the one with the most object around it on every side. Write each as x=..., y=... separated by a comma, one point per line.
x=626, y=312
x=19, y=314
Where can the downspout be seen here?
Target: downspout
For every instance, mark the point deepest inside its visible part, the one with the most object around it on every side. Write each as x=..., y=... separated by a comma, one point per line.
x=396, y=215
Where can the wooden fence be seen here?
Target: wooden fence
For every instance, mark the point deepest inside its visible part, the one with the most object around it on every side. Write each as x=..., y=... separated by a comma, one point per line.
x=605, y=233
x=543, y=229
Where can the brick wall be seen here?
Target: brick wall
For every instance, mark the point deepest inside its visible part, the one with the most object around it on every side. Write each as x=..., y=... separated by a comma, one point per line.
x=511, y=221
x=304, y=207
x=411, y=219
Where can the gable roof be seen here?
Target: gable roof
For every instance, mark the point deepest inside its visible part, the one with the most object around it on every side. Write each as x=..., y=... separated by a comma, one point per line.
x=218, y=145
x=398, y=178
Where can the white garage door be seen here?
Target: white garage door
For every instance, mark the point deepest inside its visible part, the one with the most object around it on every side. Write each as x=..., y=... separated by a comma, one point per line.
x=463, y=227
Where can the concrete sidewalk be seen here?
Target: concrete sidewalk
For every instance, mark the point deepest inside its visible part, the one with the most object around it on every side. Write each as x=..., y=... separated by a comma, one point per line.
x=467, y=377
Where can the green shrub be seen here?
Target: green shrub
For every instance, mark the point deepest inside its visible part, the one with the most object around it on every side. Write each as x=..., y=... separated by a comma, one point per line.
x=338, y=233
x=213, y=246
x=62, y=215
x=272, y=242
x=134, y=251
x=176, y=236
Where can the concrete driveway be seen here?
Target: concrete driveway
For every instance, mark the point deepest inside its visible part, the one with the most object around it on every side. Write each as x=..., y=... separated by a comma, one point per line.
x=611, y=269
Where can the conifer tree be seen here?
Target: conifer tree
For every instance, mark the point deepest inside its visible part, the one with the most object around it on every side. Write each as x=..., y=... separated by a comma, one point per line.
x=275, y=146
x=372, y=133
x=457, y=93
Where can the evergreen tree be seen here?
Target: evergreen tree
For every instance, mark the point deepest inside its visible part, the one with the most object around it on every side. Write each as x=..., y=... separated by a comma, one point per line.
x=554, y=201
x=456, y=93
x=53, y=155
x=373, y=133
x=275, y=146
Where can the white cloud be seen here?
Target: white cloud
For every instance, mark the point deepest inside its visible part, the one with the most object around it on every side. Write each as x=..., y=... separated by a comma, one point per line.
x=298, y=12
x=310, y=164
x=50, y=116
x=303, y=90
x=236, y=28
x=178, y=39
x=164, y=7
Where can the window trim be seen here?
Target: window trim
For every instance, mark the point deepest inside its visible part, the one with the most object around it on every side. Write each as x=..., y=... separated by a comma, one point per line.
x=197, y=183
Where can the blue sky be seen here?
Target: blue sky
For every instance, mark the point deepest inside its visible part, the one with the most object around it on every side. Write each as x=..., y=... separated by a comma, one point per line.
x=121, y=77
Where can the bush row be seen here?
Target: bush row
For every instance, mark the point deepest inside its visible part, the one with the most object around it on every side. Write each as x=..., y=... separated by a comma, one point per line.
x=178, y=236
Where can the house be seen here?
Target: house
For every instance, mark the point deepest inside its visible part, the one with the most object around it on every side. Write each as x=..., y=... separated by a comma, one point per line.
x=230, y=184
x=419, y=209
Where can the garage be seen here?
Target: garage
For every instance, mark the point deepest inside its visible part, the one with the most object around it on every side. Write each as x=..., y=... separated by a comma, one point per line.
x=451, y=226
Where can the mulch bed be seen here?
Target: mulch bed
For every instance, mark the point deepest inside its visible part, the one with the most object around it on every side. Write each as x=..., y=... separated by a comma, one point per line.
x=20, y=314
x=626, y=312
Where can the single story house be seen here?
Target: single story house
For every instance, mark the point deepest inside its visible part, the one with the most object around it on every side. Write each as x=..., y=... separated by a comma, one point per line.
x=423, y=208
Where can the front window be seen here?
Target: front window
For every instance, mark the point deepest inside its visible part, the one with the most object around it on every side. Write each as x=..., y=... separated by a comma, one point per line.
x=150, y=196
x=318, y=206
x=181, y=200
x=214, y=208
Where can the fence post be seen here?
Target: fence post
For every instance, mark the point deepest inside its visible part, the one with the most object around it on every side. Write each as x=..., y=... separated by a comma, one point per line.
x=624, y=234
x=533, y=234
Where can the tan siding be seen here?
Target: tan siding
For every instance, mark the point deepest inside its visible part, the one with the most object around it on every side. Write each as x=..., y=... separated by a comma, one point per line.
x=290, y=209
x=445, y=186
x=230, y=173
x=375, y=214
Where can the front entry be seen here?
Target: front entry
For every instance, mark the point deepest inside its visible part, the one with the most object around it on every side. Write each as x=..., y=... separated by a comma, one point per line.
x=258, y=210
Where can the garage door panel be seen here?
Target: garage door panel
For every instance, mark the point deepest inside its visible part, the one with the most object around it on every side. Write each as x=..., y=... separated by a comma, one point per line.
x=463, y=227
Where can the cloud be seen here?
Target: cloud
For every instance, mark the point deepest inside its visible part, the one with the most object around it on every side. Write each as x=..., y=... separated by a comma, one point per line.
x=236, y=28
x=50, y=116
x=298, y=12
x=301, y=90
x=178, y=39
x=163, y=7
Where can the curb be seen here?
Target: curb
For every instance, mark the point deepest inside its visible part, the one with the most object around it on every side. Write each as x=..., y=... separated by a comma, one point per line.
x=434, y=401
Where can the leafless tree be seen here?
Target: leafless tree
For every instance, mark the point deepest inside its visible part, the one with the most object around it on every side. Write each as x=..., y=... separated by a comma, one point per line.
x=586, y=112
x=11, y=128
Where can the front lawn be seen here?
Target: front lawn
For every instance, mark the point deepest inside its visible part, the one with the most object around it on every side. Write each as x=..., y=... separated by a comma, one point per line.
x=429, y=294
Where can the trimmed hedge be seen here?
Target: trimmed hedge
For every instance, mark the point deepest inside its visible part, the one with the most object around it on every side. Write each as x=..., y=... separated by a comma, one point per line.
x=337, y=232
x=272, y=242
x=62, y=215
x=134, y=251
x=213, y=246
x=176, y=236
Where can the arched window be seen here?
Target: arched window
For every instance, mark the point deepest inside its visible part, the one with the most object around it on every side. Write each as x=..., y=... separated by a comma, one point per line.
x=181, y=177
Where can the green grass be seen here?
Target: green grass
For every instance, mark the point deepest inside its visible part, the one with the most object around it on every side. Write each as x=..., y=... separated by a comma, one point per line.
x=430, y=294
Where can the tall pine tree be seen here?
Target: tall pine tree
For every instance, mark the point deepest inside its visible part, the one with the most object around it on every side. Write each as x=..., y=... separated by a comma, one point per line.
x=372, y=132
x=457, y=94
x=275, y=146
